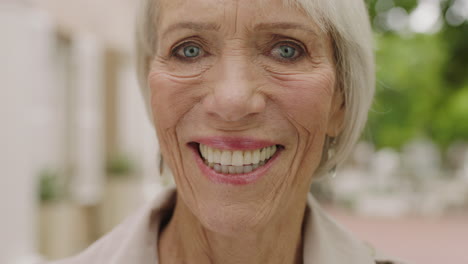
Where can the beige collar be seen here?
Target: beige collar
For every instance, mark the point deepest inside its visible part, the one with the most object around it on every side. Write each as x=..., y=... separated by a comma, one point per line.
x=135, y=240
x=327, y=242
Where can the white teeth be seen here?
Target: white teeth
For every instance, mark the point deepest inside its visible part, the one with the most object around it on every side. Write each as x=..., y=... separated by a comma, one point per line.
x=209, y=154
x=216, y=156
x=248, y=157
x=262, y=154
x=224, y=169
x=226, y=158
x=255, y=156
x=237, y=158
x=236, y=162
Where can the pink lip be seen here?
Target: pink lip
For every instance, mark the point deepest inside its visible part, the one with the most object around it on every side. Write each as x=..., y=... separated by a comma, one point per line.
x=234, y=179
x=234, y=143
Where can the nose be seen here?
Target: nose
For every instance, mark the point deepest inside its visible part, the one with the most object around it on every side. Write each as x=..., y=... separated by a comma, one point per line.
x=235, y=94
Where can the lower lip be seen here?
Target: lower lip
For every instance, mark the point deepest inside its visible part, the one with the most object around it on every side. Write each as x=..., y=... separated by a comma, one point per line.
x=234, y=179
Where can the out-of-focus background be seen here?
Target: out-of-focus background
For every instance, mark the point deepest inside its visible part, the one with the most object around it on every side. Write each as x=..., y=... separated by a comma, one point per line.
x=78, y=154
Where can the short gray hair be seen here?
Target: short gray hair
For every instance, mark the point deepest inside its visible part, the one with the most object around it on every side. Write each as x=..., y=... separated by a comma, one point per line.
x=346, y=21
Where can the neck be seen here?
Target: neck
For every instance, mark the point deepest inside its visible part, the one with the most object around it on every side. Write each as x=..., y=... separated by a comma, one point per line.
x=186, y=240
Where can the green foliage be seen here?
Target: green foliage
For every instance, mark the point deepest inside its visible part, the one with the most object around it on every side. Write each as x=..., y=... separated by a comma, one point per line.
x=408, y=87
x=456, y=70
x=120, y=166
x=451, y=121
x=422, y=85
x=405, y=4
x=50, y=187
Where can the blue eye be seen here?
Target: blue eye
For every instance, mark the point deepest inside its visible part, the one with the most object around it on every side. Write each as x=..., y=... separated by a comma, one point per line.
x=287, y=52
x=191, y=51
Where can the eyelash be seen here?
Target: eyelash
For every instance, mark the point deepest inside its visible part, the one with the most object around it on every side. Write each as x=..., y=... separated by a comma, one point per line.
x=299, y=49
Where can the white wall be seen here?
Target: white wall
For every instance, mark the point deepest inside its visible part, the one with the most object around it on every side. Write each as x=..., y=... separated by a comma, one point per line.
x=29, y=133
x=111, y=20
x=87, y=112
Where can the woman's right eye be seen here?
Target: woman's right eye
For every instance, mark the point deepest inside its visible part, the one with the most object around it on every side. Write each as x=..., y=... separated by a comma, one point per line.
x=188, y=52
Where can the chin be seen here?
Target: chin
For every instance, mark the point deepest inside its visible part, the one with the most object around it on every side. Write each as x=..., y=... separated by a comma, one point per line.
x=240, y=201
x=236, y=219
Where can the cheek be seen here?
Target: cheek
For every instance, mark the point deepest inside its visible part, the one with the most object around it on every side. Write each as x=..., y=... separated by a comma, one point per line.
x=306, y=98
x=172, y=97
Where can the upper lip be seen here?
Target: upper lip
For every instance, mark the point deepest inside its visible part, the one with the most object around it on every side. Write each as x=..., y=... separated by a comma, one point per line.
x=234, y=143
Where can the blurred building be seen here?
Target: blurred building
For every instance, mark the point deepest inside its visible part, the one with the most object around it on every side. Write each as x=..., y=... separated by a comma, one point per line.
x=72, y=114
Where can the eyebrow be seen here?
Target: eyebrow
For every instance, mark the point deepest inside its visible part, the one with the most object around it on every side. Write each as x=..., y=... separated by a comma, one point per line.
x=192, y=26
x=214, y=27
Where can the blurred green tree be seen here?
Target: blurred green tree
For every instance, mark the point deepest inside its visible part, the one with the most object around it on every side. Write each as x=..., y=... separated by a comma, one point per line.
x=422, y=79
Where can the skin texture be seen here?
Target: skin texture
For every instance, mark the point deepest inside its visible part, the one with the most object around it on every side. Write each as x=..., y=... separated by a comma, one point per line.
x=240, y=86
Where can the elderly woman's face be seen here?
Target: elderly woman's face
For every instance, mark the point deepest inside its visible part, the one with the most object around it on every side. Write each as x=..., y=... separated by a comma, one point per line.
x=243, y=95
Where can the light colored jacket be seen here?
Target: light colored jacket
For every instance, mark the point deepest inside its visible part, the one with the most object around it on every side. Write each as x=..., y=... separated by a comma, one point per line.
x=135, y=240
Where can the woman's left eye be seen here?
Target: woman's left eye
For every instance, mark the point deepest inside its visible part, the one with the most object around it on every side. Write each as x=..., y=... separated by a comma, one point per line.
x=191, y=51
x=287, y=52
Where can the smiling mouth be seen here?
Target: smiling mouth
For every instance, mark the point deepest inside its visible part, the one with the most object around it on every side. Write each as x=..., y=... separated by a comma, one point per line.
x=236, y=161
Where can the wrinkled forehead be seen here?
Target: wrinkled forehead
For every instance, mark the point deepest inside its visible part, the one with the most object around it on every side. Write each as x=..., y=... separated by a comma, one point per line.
x=231, y=15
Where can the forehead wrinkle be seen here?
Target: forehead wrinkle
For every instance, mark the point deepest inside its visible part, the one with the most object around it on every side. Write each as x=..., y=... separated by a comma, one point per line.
x=231, y=8
x=236, y=16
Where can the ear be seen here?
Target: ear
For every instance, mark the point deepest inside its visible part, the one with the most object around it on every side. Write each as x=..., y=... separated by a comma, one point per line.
x=337, y=113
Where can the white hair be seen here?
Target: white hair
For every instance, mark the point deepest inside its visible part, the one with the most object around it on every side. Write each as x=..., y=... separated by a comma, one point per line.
x=346, y=21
